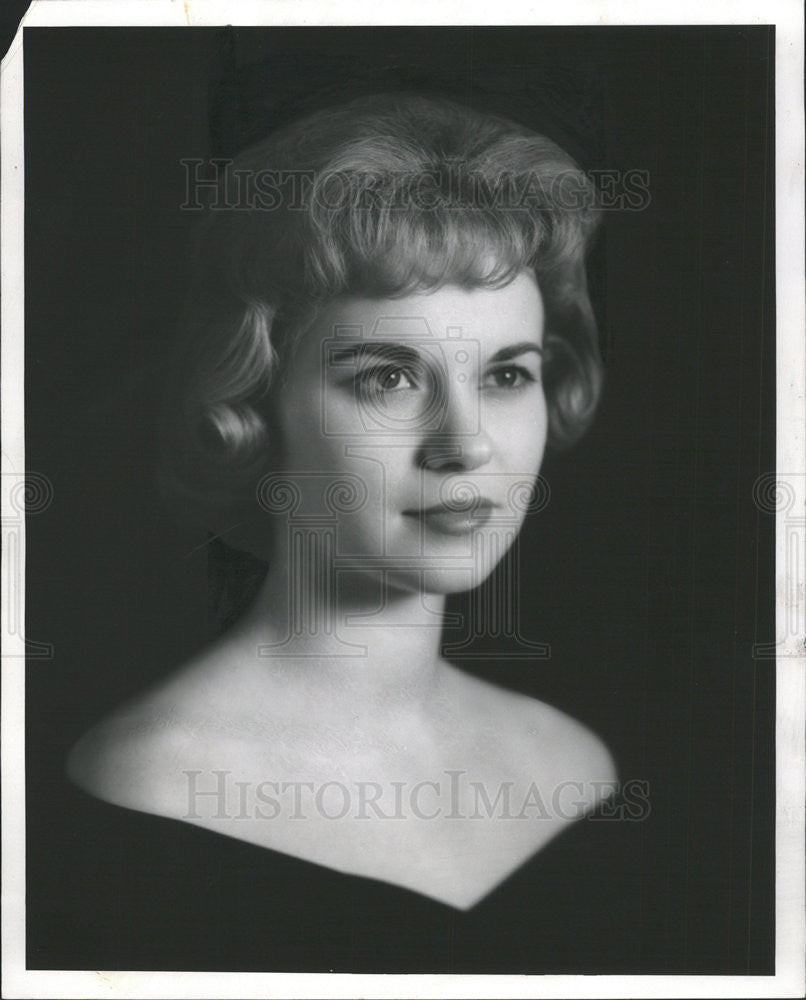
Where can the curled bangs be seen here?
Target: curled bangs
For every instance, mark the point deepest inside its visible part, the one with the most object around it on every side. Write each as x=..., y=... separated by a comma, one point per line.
x=422, y=252
x=379, y=243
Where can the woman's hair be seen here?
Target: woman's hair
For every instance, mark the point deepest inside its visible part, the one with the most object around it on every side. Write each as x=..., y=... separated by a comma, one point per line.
x=382, y=196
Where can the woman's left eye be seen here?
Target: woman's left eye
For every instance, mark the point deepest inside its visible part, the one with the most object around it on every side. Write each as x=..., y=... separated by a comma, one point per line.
x=510, y=377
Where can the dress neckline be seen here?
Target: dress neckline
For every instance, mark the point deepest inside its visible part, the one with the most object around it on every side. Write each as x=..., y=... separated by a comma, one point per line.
x=267, y=855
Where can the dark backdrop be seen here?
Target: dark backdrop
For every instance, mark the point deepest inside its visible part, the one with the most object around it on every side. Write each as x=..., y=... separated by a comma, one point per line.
x=650, y=571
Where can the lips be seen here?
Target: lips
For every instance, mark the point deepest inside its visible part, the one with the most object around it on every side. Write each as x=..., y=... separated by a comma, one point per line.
x=454, y=519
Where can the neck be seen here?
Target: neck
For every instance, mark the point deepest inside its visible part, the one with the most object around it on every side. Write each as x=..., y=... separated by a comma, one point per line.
x=354, y=631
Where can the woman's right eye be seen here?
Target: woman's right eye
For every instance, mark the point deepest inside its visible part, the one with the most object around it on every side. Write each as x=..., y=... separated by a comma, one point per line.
x=386, y=378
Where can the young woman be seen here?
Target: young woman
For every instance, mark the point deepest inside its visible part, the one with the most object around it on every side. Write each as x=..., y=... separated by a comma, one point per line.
x=388, y=324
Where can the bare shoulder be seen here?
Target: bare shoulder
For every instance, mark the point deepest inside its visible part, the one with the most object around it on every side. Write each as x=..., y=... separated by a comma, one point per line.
x=552, y=744
x=125, y=757
x=139, y=755
x=132, y=756
x=573, y=738
x=568, y=766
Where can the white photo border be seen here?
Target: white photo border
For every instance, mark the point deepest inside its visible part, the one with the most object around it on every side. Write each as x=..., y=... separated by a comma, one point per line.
x=787, y=16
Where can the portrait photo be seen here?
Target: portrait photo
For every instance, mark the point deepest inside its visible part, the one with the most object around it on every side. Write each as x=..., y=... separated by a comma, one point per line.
x=401, y=498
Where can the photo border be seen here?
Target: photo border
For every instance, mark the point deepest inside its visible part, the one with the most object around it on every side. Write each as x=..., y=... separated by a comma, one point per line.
x=788, y=981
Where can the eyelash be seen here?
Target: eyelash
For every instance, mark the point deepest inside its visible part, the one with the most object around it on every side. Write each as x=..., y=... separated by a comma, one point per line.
x=524, y=375
x=363, y=379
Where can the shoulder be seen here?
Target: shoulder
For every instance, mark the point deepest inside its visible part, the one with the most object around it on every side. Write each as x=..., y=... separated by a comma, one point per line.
x=122, y=759
x=579, y=761
x=564, y=754
x=535, y=727
x=143, y=754
x=135, y=755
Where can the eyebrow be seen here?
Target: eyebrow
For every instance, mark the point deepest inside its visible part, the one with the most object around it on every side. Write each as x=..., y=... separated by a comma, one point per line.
x=388, y=350
x=395, y=351
x=507, y=353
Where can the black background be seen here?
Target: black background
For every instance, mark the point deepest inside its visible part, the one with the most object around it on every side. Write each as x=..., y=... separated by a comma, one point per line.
x=650, y=571
x=11, y=13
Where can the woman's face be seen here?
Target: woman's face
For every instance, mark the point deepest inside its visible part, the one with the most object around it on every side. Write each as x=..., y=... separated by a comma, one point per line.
x=413, y=428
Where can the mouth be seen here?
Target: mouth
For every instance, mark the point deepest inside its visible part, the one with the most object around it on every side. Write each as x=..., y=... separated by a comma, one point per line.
x=456, y=519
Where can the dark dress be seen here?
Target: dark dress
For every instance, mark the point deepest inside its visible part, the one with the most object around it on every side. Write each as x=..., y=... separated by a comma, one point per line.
x=136, y=891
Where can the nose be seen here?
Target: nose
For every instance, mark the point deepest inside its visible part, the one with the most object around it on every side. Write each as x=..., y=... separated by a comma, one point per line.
x=458, y=443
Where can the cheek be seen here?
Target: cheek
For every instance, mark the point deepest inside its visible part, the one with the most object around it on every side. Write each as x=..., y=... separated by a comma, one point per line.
x=525, y=448
x=521, y=437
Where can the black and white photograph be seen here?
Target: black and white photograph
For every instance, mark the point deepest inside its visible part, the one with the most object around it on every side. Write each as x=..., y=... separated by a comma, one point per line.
x=403, y=502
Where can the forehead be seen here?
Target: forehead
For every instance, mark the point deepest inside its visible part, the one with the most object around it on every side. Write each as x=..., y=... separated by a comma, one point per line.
x=492, y=317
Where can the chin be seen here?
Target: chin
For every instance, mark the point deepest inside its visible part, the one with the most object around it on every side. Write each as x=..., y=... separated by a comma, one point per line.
x=454, y=569
x=439, y=579
x=451, y=581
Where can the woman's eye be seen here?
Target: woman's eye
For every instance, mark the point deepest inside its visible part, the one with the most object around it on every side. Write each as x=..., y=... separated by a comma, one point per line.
x=510, y=377
x=386, y=379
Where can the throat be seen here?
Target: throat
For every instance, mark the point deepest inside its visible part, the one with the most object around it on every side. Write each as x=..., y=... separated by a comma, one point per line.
x=363, y=637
